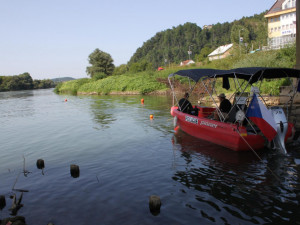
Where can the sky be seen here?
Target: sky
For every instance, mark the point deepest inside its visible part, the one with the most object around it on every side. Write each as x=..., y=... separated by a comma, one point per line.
x=54, y=38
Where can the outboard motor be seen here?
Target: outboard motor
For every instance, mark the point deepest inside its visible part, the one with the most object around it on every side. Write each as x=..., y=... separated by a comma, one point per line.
x=282, y=127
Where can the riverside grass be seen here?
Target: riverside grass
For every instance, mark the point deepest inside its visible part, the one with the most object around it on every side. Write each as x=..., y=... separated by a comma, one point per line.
x=139, y=83
x=150, y=81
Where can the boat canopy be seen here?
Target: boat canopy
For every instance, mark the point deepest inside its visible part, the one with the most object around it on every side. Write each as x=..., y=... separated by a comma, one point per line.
x=250, y=74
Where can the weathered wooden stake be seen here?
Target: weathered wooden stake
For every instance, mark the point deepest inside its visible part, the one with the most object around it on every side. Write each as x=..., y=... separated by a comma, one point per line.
x=2, y=202
x=154, y=204
x=40, y=164
x=75, y=172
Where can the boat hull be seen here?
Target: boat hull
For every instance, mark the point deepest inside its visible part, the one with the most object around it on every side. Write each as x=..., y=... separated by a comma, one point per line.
x=221, y=133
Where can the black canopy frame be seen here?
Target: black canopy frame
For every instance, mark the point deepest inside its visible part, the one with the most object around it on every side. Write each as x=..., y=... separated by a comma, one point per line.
x=249, y=74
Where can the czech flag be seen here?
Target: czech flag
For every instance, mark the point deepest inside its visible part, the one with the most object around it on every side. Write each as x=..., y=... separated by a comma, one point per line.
x=262, y=117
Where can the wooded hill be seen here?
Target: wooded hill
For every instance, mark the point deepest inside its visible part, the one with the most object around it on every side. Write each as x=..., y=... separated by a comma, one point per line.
x=173, y=44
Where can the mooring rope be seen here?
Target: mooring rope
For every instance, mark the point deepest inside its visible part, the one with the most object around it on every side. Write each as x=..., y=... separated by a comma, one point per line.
x=268, y=168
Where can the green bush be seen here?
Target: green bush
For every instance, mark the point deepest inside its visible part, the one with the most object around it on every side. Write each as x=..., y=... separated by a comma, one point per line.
x=98, y=76
x=147, y=81
x=71, y=87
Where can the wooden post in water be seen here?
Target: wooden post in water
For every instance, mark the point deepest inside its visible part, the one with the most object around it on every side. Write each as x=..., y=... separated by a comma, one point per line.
x=2, y=202
x=74, y=170
x=40, y=164
x=154, y=204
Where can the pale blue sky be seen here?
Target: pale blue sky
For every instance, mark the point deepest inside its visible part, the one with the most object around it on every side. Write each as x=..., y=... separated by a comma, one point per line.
x=53, y=38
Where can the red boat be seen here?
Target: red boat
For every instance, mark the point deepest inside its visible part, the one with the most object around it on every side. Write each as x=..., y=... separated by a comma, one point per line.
x=229, y=135
x=239, y=133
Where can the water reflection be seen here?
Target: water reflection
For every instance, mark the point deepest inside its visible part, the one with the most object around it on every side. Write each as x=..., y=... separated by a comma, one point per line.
x=102, y=110
x=237, y=187
x=16, y=94
x=16, y=104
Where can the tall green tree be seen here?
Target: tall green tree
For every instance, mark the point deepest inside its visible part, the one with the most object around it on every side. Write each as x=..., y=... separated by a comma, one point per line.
x=101, y=62
x=122, y=69
x=239, y=31
x=203, y=54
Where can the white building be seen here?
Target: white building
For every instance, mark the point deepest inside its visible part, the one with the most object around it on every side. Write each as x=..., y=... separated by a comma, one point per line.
x=281, y=23
x=220, y=53
x=186, y=62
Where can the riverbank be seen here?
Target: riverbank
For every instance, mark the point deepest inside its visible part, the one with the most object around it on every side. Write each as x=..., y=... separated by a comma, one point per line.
x=140, y=83
x=150, y=82
x=158, y=92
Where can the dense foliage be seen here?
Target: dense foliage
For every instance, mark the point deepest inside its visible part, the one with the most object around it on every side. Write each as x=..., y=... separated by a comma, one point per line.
x=62, y=79
x=101, y=63
x=172, y=45
x=23, y=82
x=149, y=81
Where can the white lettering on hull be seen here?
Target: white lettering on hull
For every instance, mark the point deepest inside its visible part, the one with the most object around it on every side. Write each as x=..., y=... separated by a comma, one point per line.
x=191, y=119
x=208, y=124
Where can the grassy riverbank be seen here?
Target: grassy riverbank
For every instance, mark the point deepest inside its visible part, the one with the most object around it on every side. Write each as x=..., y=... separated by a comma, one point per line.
x=139, y=83
x=149, y=81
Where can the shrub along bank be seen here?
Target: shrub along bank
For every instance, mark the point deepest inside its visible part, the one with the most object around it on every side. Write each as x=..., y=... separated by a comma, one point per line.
x=150, y=81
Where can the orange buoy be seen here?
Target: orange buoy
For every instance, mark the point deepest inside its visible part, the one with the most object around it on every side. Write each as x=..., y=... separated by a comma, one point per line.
x=66, y=100
x=151, y=117
x=142, y=101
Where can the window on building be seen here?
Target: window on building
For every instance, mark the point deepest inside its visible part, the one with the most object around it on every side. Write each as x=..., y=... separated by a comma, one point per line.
x=271, y=30
x=279, y=28
x=271, y=20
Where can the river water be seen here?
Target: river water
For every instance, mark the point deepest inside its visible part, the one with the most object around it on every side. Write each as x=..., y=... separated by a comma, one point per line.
x=124, y=157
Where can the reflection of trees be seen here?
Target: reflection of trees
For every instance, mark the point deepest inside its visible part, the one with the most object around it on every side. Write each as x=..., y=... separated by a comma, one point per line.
x=103, y=112
x=235, y=187
x=16, y=94
x=106, y=109
x=20, y=101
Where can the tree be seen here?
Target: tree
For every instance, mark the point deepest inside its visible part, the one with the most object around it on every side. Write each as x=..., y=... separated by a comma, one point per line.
x=238, y=31
x=25, y=81
x=122, y=69
x=140, y=66
x=203, y=54
x=101, y=63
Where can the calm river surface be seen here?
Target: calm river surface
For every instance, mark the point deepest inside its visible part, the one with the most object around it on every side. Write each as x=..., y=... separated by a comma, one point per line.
x=124, y=157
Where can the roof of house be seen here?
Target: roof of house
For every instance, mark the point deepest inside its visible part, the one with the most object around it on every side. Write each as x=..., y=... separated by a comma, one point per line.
x=221, y=50
x=189, y=61
x=276, y=7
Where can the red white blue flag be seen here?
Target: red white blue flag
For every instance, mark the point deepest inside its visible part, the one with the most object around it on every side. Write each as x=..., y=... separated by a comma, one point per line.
x=262, y=117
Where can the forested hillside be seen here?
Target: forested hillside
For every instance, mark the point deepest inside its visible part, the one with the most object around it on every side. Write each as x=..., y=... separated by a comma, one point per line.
x=172, y=45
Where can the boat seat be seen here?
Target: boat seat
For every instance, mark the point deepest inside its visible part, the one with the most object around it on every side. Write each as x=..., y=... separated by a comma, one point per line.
x=231, y=116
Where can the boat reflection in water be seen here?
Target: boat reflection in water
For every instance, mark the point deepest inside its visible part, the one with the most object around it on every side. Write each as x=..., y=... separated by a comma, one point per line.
x=229, y=187
x=189, y=144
